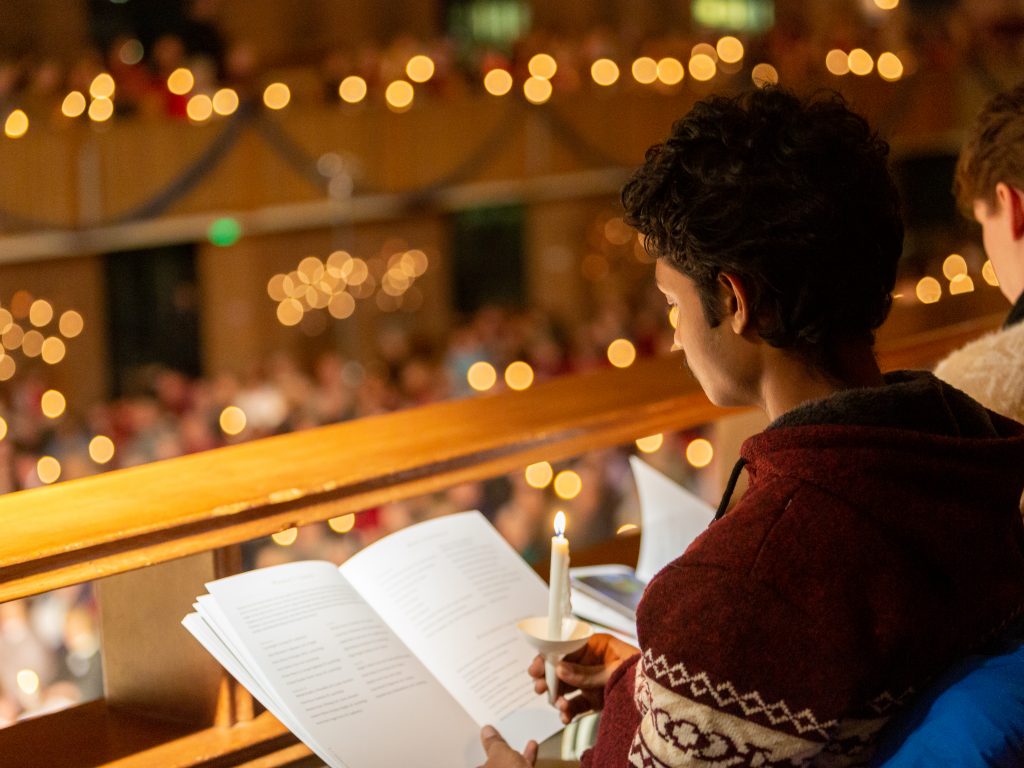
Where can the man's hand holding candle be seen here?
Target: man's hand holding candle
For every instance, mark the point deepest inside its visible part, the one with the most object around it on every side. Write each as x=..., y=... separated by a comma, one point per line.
x=586, y=670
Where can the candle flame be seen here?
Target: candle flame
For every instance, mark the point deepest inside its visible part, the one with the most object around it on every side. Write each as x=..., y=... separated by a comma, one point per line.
x=559, y=523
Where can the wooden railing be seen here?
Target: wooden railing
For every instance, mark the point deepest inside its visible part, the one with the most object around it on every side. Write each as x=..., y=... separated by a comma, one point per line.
x=167, y=703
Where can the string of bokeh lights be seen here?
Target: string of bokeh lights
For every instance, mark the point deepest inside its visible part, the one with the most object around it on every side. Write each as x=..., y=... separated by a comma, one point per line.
x=23, y=326
x=337, y=282
x=705, y=62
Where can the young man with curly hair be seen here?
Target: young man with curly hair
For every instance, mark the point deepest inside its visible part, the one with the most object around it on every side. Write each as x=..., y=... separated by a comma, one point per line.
x=880, y=538
x=990, y=188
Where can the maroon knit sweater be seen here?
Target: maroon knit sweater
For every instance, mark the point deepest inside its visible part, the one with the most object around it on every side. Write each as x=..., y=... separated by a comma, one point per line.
x=880, y=540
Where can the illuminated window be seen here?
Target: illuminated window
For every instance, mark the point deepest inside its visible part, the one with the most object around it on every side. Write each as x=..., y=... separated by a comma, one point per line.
x=736, y=15
x=488, y=23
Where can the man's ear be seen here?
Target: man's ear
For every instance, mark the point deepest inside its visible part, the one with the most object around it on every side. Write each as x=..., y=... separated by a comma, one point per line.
x=1011, y=200
x=735, y=302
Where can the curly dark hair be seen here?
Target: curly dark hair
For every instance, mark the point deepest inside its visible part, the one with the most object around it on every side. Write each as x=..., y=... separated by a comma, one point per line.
x=993, y=153
x=792, y=196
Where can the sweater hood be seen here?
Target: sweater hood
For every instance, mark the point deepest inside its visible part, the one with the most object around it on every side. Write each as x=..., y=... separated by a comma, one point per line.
x=921, y=458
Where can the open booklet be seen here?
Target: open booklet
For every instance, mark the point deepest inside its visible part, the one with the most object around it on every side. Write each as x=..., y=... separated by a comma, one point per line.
x=398, y=657
x=671, y=518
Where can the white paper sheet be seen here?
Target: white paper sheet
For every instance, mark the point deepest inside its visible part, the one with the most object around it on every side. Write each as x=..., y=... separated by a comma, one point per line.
x=671, y=518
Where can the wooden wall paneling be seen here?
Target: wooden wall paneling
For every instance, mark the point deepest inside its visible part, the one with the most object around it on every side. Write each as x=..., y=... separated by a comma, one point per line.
x=151, y=666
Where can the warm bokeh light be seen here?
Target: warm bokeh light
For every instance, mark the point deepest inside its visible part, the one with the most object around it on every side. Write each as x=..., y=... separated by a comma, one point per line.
x=225, y=102
x=519, y=375
x=290, y=312
x=543, y=66
x=286, y=537
x=604, y=72
x=40, y=313
x=670, y=70
x=310, y=270
x=420, y=68
x=399, y=95
x=16, y=124
x=498, y=82
x=101, y=110
x=74, y=104
x=32, y=343
x=6, y=320
x=102, y=86
x=651, y=443
x=199, y=108
x=342, y=523
x=355, y=271
x=180, y=81
x=730, y=49
x=887, y=5
x=537, y=90
x=13, y=336
x=837, y=62
x=928, y=290
x=988, y=272
x=71, y=324
x=645, y=70
x=539, y=475
x=568, y=484
x=7, y=367
x=954, y=265
x=48, y=470
x=28, y=681
x=621, y=353
x=277, y=96
x=3, y=428
x=232, y=420
x=481, y=376
x=890, y=68
x=414, y=262
x=764, y=74
x=673, y=316
x=702, y=67
x=335, y=264
x=704, y=48
x=275, y=288
x=626, y=528
x=101, y=449
x=860, y=62
x=52, y=404
x=352, y=89
x=699, y=453
x=961, y=284
x=341, y=305
x=53, y=350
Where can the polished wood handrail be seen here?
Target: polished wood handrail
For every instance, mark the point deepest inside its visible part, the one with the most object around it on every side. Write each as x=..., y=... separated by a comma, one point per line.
x=115, y=522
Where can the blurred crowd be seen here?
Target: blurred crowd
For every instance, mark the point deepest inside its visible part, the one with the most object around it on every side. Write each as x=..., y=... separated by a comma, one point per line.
x=49, y=644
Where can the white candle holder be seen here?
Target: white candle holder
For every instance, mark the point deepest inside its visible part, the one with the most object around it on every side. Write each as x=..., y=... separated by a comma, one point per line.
x=535, y=630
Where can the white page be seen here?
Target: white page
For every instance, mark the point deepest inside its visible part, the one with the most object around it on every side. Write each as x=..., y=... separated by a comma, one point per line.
x=452, y=589
x=671, y=518
x=226, y=657
x=335, y=667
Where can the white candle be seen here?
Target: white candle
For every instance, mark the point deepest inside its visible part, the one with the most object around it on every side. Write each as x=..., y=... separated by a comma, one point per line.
x=558, y=596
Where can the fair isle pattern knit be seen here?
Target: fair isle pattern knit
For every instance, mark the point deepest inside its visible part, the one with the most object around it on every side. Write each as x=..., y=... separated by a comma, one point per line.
x=724, y=696
x=991, y=370
x=687, y=719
